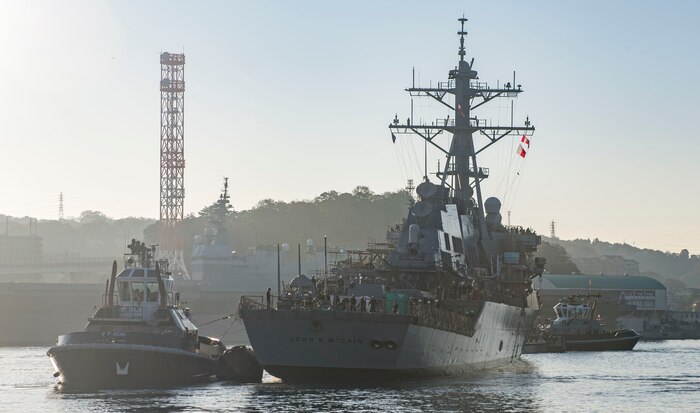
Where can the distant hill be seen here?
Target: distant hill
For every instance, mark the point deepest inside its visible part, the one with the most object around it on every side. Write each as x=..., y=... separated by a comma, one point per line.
x=92, y=234
x=660, y=265
x=349, y=220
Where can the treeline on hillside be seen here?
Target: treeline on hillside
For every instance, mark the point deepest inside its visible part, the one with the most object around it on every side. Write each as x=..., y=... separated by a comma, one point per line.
x=661, y=265
x=92, y=234
x=558, y=260
x=347, y=219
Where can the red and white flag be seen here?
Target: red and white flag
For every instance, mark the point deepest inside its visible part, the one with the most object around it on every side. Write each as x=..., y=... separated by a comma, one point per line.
x=525, y=140
x=459, y=109
x=521, y=151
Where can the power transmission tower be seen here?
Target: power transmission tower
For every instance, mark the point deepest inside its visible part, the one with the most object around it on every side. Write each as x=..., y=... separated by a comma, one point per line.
x=172, y=160
x=553, y=230
x=60, y=206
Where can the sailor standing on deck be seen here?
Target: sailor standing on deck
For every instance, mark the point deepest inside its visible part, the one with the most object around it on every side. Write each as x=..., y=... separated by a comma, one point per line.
x=372, y=305
x=269, y=297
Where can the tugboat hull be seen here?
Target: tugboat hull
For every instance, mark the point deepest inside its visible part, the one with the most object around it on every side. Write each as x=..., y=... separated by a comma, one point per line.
x=128, y=365
x=613, y=341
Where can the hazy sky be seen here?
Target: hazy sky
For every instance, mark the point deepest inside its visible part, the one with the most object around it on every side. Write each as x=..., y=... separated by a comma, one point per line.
x=290, y=99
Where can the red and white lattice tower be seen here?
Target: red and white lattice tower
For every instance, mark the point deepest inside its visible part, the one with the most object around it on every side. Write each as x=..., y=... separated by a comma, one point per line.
x=172, y=160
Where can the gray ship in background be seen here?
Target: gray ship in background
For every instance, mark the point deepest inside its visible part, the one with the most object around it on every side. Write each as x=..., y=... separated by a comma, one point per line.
x=219, y=277
x=213, y=263
x=454, y=296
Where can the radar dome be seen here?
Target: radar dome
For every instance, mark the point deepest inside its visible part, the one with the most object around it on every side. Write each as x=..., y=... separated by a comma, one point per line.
x=492, y=205
x=421, y=209
x=494, y=219
x=426, y=189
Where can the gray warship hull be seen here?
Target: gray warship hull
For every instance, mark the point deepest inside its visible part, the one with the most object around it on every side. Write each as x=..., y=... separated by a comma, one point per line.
x=317, y=345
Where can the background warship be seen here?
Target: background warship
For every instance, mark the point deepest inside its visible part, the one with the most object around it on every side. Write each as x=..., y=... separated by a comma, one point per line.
x=454, y=296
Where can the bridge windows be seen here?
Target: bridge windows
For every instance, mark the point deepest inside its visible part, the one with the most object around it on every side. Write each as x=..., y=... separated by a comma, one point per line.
x=137, y=291
x=152, y=292
x=124, y=291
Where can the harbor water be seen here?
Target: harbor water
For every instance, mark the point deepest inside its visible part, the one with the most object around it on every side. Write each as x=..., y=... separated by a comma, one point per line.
x=656, y=376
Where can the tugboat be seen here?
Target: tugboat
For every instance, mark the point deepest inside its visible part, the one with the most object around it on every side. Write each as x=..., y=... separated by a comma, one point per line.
x=454, y=295
x=139, y=337
x=578, y=327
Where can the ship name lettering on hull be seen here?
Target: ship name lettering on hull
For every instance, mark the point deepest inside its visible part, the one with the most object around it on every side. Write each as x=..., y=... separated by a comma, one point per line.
x=325, y=340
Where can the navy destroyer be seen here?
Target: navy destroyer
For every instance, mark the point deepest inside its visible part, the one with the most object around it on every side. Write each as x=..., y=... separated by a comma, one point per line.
x=455, y=295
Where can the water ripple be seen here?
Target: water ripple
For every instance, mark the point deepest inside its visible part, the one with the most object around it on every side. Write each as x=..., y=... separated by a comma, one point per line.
x=657, y=376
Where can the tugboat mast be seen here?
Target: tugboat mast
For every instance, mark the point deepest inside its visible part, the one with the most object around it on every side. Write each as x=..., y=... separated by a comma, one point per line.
x=461, y=173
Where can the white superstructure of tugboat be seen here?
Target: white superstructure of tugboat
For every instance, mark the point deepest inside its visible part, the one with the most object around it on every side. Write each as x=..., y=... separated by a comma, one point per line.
x=139, y=337
x=577, y=325
x=455, y=295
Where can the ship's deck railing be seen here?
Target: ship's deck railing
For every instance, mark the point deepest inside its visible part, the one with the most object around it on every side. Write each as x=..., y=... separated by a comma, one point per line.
x=173, y=299
x=502, y=297
x=120, y=312
x=421, y=313
x=257, y=302
x=130, y=310
x=435, y=317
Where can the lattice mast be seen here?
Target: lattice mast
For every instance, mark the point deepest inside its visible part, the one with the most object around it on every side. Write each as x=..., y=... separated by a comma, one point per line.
x=461, y=174
x=172, y=160
x=60, y=206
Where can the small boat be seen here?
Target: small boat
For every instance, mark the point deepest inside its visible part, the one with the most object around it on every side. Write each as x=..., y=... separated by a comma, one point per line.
x=580, y=330
x=139, y=337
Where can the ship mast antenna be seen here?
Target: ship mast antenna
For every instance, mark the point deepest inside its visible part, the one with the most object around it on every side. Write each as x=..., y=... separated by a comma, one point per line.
x=461, y=34
x=461, y=176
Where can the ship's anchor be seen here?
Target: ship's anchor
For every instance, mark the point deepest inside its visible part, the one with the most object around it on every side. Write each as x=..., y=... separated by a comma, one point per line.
x=316, y=325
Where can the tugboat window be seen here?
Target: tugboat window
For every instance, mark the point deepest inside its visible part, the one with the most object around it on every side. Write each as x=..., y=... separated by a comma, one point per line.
x=152, y=292
x=124, y=291
x=137, y=291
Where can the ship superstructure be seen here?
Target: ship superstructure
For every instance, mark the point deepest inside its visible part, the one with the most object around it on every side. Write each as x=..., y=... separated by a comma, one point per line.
x=455, y=295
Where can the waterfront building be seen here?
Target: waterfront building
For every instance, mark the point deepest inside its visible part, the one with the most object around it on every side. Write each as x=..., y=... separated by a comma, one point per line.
x=630, y=301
